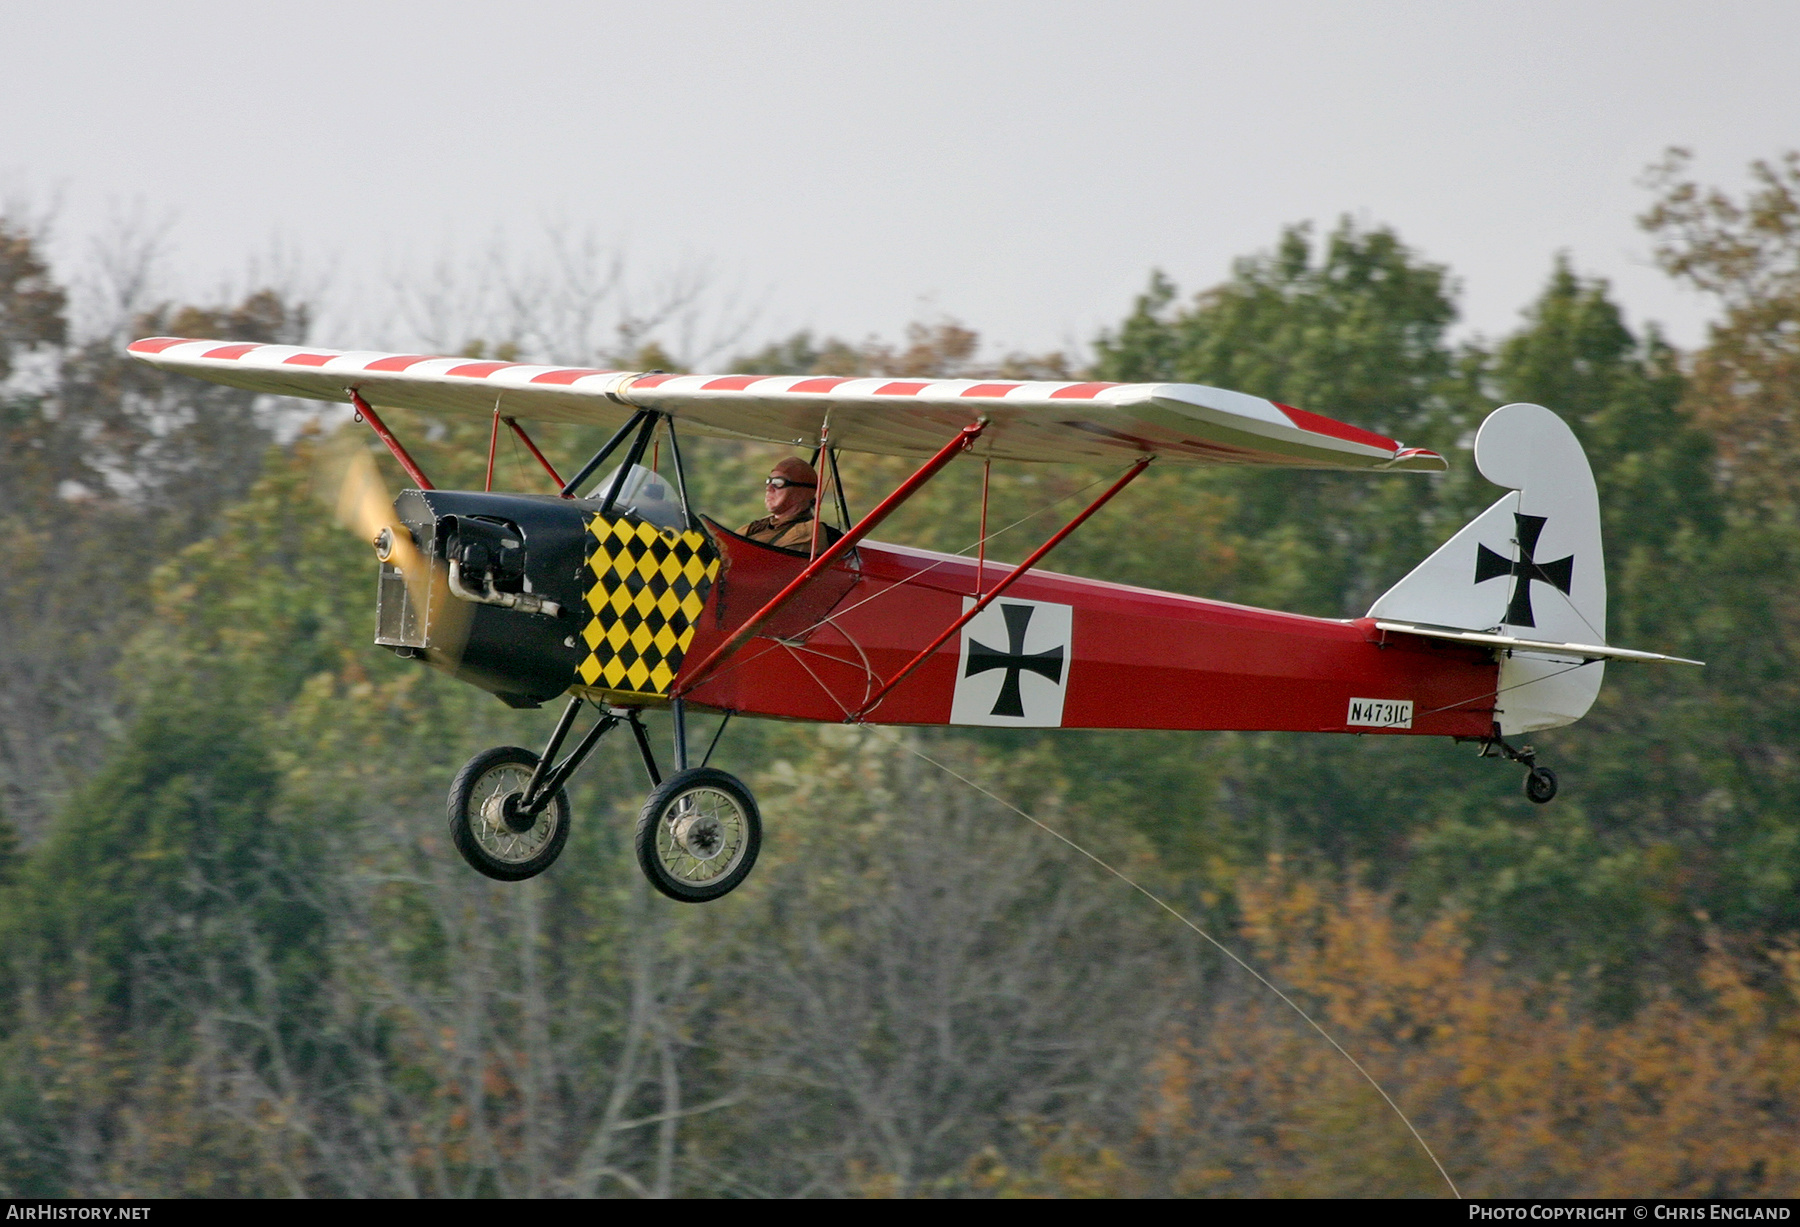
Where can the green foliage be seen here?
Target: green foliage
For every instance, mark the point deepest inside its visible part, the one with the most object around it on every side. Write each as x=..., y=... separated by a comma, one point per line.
x=164, y=851
x=10, y=852
x=1352, y=328
x=1745, y=252
x=1355, y=327
x=32, y=305
x=1638, y=847
x=107, y=469
x=244, y=958
x=1623, y=397
x=1664, y=800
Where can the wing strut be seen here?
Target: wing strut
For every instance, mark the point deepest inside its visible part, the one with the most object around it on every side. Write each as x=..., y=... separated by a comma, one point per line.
x=387, y=436
x=524, y=438
x=493, y=445
x=599, y=457
x=632, y=458
x=965, y=438
x=981, y=604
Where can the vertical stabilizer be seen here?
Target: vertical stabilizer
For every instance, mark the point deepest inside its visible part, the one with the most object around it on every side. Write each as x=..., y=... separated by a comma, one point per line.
x=1531, y=565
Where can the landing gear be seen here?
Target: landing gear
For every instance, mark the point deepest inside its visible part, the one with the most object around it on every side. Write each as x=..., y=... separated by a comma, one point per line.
x=1540, y=782
x=1540, y=785
x=489, y=824
x=697, y=838
x=698, y=835
x=509, y=815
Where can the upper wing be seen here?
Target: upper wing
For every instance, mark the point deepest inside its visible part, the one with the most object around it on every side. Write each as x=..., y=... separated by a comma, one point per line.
x=1181, y=423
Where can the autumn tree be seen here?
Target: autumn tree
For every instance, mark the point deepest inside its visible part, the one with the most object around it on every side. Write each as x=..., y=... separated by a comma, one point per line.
x=1745, y=253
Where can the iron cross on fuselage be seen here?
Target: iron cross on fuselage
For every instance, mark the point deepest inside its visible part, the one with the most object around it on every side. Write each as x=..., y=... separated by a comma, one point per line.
x=1046, y=664
x=1559, y=574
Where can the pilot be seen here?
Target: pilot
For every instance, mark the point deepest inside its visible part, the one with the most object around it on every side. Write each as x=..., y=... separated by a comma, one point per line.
x=790, y=494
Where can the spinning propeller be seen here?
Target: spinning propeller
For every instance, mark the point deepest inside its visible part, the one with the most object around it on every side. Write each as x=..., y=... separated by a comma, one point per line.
x=365, y=505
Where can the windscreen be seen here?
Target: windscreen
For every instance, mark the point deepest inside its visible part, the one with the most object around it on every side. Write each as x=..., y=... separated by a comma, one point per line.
x=645, y=494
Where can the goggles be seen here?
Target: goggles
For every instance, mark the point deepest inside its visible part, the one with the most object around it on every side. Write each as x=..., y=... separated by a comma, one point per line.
x=782, y=483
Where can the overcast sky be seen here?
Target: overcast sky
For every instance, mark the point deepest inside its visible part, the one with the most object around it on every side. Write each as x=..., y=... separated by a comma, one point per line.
x=849, y=167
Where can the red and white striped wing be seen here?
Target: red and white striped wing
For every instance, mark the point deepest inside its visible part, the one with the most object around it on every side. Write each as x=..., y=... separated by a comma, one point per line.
x=1029, y=420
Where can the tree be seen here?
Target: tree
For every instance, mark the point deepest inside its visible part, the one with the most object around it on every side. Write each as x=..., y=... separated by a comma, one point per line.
x=919, y=971
x=1353, y=328
x=104, y=475
x=1746, y=254
x=244, y=959
x=1624, y=398
x=32, y=306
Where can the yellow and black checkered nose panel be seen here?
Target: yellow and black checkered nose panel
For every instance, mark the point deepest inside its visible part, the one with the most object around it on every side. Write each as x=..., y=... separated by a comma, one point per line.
x=646, y=587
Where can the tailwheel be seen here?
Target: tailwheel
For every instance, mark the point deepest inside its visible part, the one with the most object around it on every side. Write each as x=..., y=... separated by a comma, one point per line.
x=1540, y=782
x=698, y=835
x=489, y=824
x=1540, y=785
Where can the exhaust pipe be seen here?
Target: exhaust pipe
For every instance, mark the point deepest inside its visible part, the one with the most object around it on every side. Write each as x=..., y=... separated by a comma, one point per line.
x=524, y=602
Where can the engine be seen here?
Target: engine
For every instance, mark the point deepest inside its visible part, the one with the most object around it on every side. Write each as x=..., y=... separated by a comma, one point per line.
x=499, y=605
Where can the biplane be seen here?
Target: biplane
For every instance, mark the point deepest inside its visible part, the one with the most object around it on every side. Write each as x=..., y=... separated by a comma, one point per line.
x=617, y=595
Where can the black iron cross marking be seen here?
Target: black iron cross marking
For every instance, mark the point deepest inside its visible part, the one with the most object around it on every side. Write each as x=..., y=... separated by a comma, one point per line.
x=1559, y=574
x=1014, y=660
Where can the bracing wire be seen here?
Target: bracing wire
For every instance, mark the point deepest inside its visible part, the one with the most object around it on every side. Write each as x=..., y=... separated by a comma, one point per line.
x=1215, y=942
x=741, y=659
x=1494, y=694
x=962, y=553
x=512, y=449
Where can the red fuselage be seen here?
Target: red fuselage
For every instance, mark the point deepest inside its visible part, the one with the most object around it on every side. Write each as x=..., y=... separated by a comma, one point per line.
x=1122, y=657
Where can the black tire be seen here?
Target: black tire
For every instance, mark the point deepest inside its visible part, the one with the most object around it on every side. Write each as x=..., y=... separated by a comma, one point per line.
x=717, y=850
x=483, y=823
x=1540, y=785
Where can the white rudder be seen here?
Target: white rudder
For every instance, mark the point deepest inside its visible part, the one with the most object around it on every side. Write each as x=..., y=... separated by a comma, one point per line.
x=1530, y=566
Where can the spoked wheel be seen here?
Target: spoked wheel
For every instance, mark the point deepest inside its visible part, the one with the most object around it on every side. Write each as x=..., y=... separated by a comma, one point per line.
x=698, y=835
x=486, y=824
x=1540, y=785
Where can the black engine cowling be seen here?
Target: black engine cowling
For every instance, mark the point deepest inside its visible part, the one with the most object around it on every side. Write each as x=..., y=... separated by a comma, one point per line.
x=518, y=559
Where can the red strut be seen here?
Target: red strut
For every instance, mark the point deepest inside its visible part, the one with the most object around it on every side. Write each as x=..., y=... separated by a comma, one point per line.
x=964, y=439
x=526, y=440
x=493, y=446
x=1002, y=586
x=393, y=444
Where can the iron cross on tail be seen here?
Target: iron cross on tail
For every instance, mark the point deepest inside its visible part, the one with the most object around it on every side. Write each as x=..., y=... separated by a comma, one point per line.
x=1524, y=569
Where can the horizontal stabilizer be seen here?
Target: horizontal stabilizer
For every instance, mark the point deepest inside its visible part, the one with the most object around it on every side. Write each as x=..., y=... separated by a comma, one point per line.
x=1536, y=647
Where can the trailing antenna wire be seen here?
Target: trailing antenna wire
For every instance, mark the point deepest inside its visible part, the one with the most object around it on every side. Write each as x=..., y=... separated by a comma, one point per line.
x=1216, y=943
